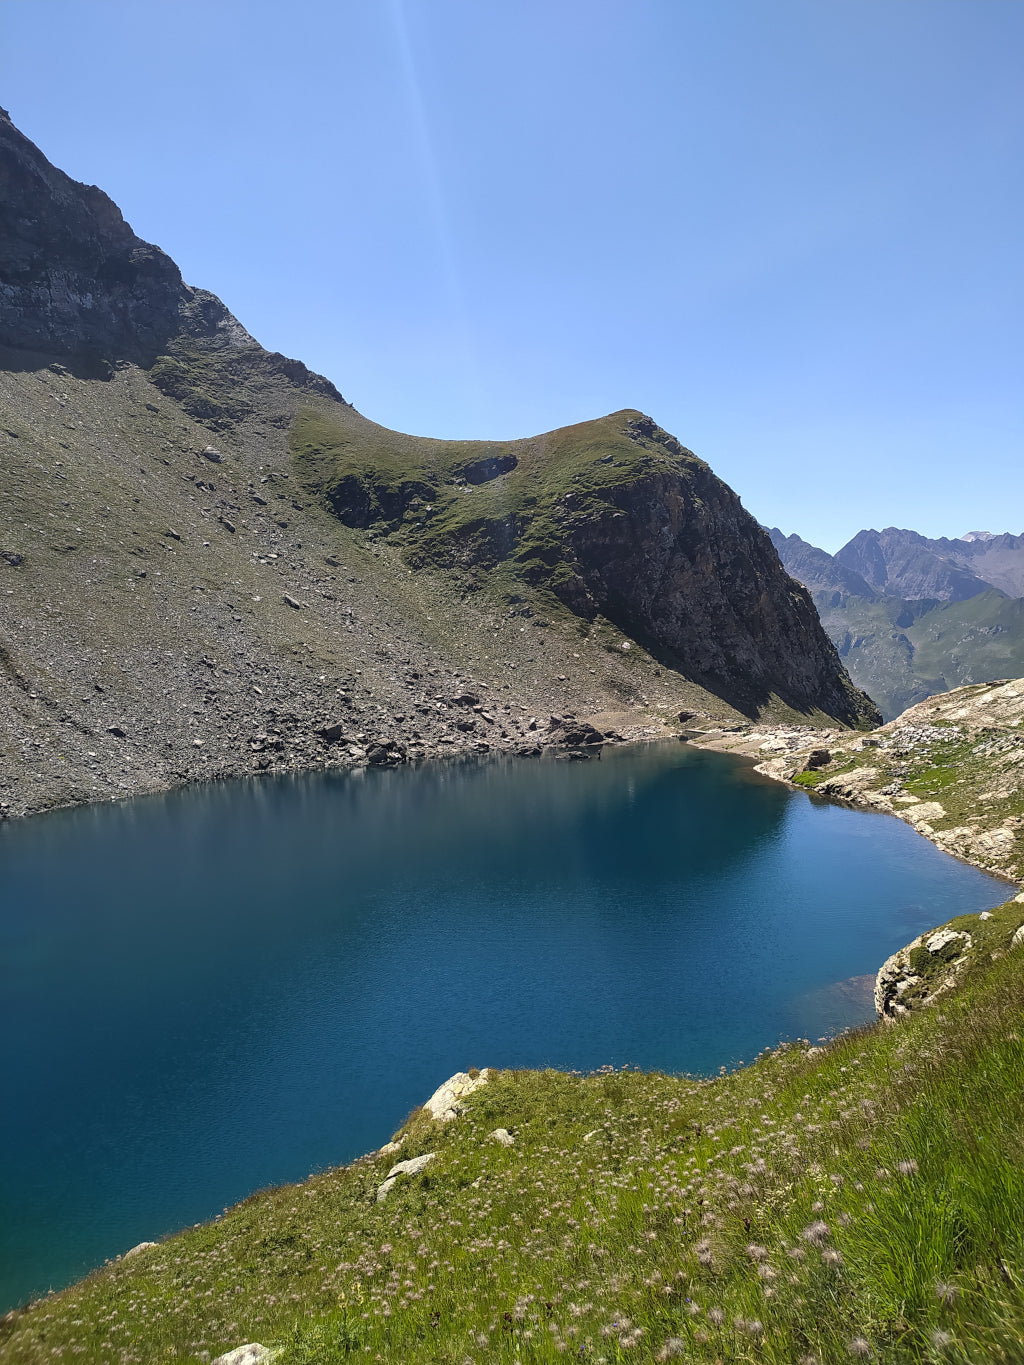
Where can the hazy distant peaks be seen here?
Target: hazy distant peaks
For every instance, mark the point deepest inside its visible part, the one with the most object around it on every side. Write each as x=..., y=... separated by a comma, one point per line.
x=901, y=563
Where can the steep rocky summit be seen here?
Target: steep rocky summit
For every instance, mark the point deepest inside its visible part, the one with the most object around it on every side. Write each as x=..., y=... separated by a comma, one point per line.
x=212, y=565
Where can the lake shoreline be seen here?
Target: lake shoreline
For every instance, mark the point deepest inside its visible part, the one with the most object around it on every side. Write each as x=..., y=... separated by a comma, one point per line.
x=886, y=770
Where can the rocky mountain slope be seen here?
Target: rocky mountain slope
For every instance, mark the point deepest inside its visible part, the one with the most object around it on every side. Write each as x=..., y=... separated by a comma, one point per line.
x=911, y=617
x=212, y=565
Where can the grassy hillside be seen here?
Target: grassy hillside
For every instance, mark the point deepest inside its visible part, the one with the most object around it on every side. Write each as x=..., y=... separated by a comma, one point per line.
x=862, y=1201
x=476, y=505
x=902, y=652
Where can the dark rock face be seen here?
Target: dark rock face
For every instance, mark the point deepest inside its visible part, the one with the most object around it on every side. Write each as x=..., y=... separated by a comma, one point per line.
x=74, y=278
x=483, y=471
x=675, y=560
x=77, y=285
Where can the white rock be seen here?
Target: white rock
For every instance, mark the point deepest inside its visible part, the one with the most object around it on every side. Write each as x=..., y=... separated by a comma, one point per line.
x=985, y=914
x=385, y=1189
x=413, y=1166
x=1020, y=898
x=1018, y=937
x=250, y=1354
x=388, y=1148
x=937, y=942
x=925, y=813
x=503, y=1136
x=444, y=1102
x=134, y=1251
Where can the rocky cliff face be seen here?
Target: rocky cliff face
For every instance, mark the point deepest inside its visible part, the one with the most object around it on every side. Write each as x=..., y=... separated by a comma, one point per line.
x=212, y=565
x=674, y=558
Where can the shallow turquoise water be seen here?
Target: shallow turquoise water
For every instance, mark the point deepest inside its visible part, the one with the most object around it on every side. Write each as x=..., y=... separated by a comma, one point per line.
x=230, y=986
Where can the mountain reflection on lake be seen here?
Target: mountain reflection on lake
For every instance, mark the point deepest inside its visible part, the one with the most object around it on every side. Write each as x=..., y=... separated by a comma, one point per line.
x=229, y=986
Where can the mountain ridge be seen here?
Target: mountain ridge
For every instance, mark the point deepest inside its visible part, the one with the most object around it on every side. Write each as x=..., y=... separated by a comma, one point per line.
x=909, y=616
x=213, y=565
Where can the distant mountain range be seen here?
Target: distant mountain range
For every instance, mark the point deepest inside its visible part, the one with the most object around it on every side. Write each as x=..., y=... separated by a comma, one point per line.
x=912, y=616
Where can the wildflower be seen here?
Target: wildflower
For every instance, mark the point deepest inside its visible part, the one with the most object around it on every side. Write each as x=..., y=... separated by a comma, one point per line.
x=796, y=1253
x=941, y=1338
x=815, y=1233
x=755, y=1252
x=716, y=1316
x=832, y=1257
x=673, y=1347
x=907, y=1167
x=946, y=1293
x=859, y=1346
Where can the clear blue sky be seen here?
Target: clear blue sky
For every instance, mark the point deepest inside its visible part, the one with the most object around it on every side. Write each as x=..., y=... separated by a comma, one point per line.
x=790, y=230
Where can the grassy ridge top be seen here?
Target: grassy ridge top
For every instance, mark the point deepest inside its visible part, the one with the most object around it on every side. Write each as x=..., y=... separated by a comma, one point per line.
x=480, y=502
x=860, y=1201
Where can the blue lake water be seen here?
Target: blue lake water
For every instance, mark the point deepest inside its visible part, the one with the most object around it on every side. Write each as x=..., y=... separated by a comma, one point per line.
x=233, y=985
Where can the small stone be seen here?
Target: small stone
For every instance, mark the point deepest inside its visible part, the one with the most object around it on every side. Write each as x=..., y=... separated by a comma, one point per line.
x=384, y=1189
x=213, y=454
x=413, y=1166
x=12, y=558
x=228, y=525
x=292, y=601
x=173, y=534
x=117, y=731
x=503, y=1136
x=334, y=731
x=250, y=1354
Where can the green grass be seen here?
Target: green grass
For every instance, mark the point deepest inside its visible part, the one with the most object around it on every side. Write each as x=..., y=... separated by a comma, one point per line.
x=814, y=1205
x=416, y=492
x=902, y=652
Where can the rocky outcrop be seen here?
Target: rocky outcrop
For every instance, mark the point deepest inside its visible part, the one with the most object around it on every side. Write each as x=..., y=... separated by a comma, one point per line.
x=445, y=1103
x=675, y=560
x=411, y=1167
x=77, y=285
x=920, y=972
x=250, y=1354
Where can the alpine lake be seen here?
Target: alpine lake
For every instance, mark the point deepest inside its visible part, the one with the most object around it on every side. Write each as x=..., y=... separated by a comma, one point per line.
x=232, y=985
